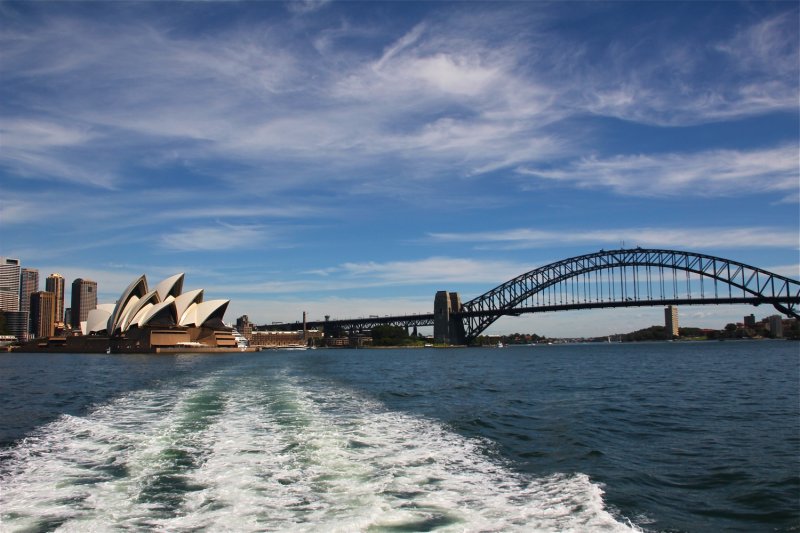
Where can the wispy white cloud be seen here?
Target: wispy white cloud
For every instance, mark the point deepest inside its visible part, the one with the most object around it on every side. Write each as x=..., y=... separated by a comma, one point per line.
x=650, y=76
x=303, y=7
x=370, y=275
x=430, y=270
x=32, y=134
x=215, y=238
x=768, y=45
x=403, y=42
x=711, y=173
x=452, y=93
x=793, y=197
x=36, y=148
x=16, y=211
x=679, y=238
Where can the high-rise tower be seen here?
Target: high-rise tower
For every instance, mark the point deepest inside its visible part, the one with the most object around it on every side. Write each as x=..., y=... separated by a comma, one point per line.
x=55, y=284
x=9, y=284
x=84, y=299
x=28, y=284
x=43, y=312
x=671, y=321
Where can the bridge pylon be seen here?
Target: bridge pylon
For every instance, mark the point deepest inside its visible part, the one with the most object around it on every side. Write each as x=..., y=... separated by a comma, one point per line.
x=448, y=326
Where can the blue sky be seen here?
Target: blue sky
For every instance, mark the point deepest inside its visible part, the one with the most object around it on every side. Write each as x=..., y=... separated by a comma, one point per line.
x=354, y=158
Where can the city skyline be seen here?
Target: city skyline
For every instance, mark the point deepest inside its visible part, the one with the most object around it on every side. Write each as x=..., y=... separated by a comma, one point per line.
x=55, y=290
x=353, y=159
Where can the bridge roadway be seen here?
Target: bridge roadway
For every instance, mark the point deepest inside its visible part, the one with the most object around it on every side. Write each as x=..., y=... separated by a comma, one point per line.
x=357, y=324
x=427, y=319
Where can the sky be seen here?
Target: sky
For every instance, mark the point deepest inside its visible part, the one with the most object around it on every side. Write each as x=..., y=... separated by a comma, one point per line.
x=352, y=159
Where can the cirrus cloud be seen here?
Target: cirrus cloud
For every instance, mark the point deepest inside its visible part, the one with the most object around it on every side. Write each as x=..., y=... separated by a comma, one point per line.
x=710, y=173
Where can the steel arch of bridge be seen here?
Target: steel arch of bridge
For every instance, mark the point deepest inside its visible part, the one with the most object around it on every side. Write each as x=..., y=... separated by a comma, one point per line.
x=629, y=277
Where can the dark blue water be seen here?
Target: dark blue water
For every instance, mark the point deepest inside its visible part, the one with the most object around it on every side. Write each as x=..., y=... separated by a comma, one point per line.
x=662, y=436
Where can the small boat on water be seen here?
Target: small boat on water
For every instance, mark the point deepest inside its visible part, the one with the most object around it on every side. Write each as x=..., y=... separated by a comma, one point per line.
x=241, y=341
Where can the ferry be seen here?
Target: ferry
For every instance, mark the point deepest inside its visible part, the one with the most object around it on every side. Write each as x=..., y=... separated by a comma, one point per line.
x=241, y=342
x=5, y=340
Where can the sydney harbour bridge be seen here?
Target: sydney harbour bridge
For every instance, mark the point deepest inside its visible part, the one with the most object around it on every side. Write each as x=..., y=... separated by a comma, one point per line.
x=605, y=279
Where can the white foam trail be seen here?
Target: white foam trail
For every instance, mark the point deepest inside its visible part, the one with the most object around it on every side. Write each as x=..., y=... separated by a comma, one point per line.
x=283, y=455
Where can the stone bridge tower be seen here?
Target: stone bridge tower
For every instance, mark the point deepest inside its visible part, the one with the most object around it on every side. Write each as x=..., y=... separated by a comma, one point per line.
x=448, y=328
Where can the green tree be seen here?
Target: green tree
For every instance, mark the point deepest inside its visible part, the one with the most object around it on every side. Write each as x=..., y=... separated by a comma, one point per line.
x=653, y=333
x=391, y=336
x=793, y=331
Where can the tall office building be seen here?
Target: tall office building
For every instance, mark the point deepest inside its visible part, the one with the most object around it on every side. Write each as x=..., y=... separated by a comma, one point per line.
x=43, y=313
x=9, y=284
x=84, y=299
x=28, y=284
x=55, y=284
x=671, y=321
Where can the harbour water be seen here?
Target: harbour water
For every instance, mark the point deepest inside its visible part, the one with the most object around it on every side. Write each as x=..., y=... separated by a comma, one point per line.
x=597, y=437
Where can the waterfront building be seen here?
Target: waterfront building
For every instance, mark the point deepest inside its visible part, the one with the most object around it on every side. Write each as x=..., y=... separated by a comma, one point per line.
x=671, y=321
x=282, y=339
x=55, y=284
x=28, y=284
x=17, y=323
x=244, y=326
x=9, y=284
x=775, y=325
x=750, y=321
x=43, y=313
x=84, y=299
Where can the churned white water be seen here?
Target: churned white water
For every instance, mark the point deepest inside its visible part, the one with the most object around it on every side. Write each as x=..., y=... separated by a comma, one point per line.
x=284, y=454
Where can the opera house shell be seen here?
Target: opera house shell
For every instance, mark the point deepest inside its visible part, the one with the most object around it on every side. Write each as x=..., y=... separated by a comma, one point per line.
x=160, y=319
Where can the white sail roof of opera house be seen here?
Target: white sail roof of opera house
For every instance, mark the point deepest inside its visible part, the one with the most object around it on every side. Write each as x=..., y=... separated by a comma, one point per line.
x=172, y=286
x=97, y=319
x=166, y=305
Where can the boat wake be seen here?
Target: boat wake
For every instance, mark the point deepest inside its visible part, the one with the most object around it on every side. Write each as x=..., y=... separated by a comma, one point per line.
x=249, y=453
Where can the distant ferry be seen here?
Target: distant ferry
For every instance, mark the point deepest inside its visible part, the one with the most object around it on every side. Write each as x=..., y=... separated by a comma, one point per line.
x=297, y=347
x=5, y=340
x=241, y=342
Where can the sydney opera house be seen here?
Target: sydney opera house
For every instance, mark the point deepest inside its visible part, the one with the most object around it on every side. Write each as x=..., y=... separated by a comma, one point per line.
x=159, y=320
